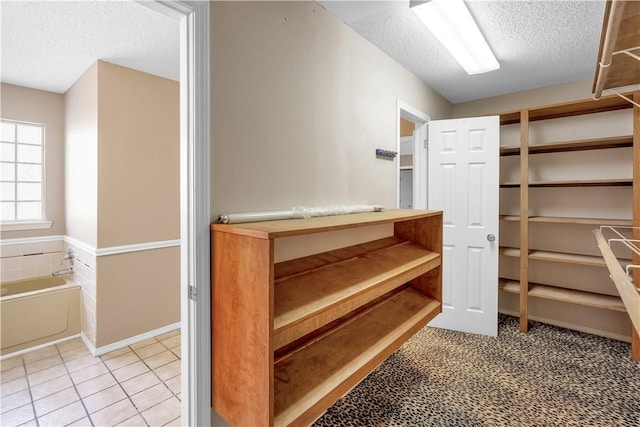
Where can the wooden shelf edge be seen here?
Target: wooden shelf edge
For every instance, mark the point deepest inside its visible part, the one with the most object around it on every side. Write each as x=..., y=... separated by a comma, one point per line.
x=510, y=252
x=572, y=296
x=297, y=227
x=575, y=145
x=372, y=337
x=580, y=107
x=572, y=183
x=590, y=299
x=508, y=285
x=570, y=220
x=561, y=257
x=567, y=258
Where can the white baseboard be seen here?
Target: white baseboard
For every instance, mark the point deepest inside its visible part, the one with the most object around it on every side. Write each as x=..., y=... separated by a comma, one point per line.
x=128, y=341
x=88, y=343
x=572, y=326
x=38, y=347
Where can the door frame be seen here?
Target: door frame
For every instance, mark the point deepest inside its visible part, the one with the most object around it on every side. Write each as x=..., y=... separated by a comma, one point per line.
x=195, y=211
x=408, y=112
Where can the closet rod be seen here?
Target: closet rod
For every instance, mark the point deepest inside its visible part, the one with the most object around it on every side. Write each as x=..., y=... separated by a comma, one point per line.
x=611, y=34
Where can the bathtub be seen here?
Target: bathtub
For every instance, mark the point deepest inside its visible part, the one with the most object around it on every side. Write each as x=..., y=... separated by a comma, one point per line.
x=38, y=311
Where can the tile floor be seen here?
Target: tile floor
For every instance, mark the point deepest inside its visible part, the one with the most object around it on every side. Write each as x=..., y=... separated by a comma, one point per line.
x=64, y=384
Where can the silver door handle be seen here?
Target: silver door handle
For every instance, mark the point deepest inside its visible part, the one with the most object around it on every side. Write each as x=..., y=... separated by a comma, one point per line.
x=491, y=237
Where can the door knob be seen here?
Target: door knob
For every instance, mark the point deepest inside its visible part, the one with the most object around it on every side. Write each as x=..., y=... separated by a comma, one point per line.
x=491, y=237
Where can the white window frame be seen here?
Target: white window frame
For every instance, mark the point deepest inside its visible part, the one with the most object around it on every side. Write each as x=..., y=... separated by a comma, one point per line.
x=31, y=224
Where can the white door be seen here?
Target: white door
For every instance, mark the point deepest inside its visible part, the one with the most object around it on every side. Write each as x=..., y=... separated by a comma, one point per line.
x=463, y=171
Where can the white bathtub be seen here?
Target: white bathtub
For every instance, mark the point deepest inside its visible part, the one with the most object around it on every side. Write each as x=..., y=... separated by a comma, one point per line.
x=38, y=311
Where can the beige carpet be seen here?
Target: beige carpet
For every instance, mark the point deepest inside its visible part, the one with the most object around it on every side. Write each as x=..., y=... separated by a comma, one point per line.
x=548, y=377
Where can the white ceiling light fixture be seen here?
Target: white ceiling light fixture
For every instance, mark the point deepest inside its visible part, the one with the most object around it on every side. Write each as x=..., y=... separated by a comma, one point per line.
x=452, y=24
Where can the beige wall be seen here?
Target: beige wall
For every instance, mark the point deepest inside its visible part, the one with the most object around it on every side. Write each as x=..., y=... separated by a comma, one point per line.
x=123, y=188
x=138, y=157
x=31, y=105
x=530, y=98
x=81, y=158
x=136, y=293
x=138, y=202
x=300, y=102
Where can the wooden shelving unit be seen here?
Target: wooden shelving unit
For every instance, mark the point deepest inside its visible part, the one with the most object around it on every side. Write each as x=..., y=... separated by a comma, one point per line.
x=291, y=338
x=525, y=253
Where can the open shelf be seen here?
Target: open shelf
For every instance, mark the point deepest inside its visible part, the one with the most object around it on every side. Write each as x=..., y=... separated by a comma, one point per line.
x=585, y=144
x=508, y=285
x=591, y=299
x=510, y=252
x=573, y=296
x=627, y=182
x=331, y=365
x=566, y=258
x=568, y=109
x=576, y=108
x=568, y=220
x=291, y=338
x=561, y=257
x=307, y=301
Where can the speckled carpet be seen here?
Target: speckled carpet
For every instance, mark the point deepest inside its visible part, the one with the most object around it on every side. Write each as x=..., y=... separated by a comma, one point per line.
x=548, y=377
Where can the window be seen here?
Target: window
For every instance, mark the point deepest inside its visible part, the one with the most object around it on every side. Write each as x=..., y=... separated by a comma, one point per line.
x=21, y=171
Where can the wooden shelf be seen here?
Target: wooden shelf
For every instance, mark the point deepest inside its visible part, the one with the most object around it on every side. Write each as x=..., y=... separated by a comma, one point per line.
x=510, y=252
x=330, y=366
x=298, y=227
x=567, y=109
x=626, y=182
x=508, y=285
x=566, y=258
x=590, y=299
x=560, y=257
x=567, y=220
x=579, y=145
x=573, y=296
x=308, y=301
x=577, y=108
x=291, y=338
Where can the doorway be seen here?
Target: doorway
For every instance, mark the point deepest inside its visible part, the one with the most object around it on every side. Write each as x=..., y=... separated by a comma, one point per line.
x=412, y=166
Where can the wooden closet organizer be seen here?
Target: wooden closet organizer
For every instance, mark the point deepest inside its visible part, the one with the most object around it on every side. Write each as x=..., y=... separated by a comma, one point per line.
x=291, y=338
x=523, y=287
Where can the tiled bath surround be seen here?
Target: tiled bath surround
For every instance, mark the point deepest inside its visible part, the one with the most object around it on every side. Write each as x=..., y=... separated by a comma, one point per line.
x=84, y=273
x=32, y=259
x=41, y=257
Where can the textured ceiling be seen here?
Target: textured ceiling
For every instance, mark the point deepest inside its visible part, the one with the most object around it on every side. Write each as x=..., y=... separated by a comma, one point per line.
x=49, y=44
x=538, y=43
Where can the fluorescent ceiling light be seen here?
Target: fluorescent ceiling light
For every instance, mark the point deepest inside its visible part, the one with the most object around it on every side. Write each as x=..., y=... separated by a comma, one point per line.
x=452, y=24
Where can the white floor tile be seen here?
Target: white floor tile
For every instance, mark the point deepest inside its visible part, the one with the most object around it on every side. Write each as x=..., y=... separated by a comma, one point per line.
x=163, y=413
x=114, y=414
x=14, y=400
x=140, y=383
x=151, y=397
x=50, y=387
x=96, y=384
x=104, y=398
x=55, y=401
x=63, y=416
x=17, y=416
